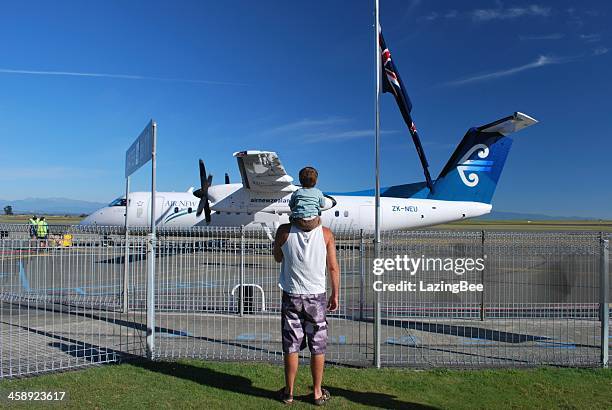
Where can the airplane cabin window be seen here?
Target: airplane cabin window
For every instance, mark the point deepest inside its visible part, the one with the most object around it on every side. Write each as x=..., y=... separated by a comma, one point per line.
x=345, y=214
x=337, y=213
x=118, y=202
x=176, y=209
x=189, y=210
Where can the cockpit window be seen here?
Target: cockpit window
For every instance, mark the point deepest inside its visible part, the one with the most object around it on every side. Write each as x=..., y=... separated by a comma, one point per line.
x=118, y=202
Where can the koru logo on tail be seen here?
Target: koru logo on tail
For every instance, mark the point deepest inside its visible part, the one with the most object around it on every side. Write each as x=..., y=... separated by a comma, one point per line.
x=478, y=165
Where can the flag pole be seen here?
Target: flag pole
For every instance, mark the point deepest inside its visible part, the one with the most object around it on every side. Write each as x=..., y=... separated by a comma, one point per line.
x=377, y=185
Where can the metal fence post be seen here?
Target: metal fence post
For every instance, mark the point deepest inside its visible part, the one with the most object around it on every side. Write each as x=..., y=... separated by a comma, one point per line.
x=126, y=257
x=152, y=244
x=604, y=313
x=482, y=275
x=241, y=302
x=151, y=296
x=377, y=314
x=361, y=275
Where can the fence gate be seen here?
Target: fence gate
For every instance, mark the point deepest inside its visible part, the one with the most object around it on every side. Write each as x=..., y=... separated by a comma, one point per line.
x=60, y=301
x=218, y=298
x=539, y=304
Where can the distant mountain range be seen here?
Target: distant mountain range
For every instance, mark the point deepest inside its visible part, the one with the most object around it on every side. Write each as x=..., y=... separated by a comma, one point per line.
x=65, y=206
x=51, y=206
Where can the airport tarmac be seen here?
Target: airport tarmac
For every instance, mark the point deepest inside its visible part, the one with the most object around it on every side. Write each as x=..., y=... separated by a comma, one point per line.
x=201, y=275
x=48, y=339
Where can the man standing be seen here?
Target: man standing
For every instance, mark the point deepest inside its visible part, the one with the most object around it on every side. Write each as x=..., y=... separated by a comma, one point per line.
x=42, y=229
x=33, y=225
x=305, y=255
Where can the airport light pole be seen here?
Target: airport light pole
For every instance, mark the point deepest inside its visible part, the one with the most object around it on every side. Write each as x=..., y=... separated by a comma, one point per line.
x=377, y=184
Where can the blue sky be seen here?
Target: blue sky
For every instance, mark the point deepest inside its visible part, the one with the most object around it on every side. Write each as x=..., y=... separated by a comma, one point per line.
x=79, y=80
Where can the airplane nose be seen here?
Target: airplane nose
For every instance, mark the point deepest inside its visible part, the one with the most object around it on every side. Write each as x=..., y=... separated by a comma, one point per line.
x=92, y=219
x=87, y=220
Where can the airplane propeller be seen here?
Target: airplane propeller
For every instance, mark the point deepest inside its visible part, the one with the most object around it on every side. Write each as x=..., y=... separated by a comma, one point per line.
x=202, y=193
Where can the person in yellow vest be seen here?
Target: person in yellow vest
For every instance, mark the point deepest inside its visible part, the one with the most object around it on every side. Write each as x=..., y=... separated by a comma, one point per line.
x=42, y=230
x=33, y=224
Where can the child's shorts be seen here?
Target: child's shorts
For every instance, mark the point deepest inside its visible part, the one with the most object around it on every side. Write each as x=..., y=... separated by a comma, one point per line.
x=307, y=224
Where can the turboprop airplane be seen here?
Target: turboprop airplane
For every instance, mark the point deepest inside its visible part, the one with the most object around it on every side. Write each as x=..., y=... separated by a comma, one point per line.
x=464, y=189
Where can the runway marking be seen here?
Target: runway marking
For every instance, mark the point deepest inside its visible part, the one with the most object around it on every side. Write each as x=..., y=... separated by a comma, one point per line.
x=477, y=341
x=253, y=337
x=23, y=256
x=91, y=290
x=190, y=285
x=172, y=333
x=403, y=341
x=550, y=344
x=341, y=340
x=25, y=284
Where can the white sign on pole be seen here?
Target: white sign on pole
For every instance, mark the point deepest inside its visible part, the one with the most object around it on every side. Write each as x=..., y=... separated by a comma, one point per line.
x=141, y=151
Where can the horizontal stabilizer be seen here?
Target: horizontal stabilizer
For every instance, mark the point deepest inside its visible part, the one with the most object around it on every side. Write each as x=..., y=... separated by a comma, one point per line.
x=508, y=125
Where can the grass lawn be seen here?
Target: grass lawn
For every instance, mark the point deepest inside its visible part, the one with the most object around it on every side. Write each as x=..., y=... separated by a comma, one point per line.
x=197, y=384
x=51, y=219
x=518, y=225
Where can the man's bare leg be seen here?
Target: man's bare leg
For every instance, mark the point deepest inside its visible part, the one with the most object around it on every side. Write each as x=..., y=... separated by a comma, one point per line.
x=317, y=365
x=291, y=368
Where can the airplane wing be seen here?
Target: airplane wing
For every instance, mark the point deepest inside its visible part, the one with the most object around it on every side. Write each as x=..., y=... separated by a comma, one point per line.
x=262, y=171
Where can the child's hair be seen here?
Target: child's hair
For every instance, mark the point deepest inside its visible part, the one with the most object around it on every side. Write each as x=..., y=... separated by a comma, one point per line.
x=308, y=177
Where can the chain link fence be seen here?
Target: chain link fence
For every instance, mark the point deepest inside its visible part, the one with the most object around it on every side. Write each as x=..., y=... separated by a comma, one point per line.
x=61, y=301
x=80, y=298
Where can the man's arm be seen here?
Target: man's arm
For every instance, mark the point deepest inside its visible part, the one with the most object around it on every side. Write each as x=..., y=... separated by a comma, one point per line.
x=333, y=269
x=282, y=233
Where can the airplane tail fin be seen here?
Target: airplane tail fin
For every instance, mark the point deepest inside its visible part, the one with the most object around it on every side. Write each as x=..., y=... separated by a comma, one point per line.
x=472, y=172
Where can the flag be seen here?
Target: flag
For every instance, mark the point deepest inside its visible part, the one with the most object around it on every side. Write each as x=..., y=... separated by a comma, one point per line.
x=392, y=83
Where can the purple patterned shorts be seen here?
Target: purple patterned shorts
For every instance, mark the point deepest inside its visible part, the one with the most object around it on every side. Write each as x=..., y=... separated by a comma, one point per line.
x=303, y=319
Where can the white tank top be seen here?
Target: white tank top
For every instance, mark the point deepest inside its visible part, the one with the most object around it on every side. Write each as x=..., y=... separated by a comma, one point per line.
x=304, y=262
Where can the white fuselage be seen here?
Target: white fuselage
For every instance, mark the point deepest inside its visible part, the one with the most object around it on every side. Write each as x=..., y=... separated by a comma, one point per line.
x=232, y=205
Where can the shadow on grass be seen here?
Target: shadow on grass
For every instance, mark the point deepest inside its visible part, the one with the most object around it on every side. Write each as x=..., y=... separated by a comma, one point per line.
x=243, y=385
x=207, y=377
x=368, y=398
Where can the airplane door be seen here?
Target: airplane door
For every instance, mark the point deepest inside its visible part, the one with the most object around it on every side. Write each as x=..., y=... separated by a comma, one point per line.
x=366, y=217
x=160, y=211
x=140, y=212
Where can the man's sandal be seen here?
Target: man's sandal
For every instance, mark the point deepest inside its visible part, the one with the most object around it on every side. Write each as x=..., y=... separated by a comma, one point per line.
x=284, y=396
x=325, y=396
